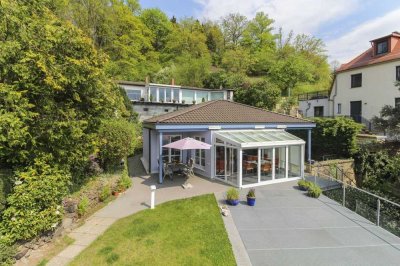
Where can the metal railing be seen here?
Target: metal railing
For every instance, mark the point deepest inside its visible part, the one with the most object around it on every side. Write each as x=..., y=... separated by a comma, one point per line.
x=313, y=95
x=379, y=210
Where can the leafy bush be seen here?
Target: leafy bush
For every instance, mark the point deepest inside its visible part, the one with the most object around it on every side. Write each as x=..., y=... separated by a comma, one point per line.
x=314, y=191
x=333, y=136
x=125, y=181
x=304, y=184
x=83, y=206
x=5, y=187
x=105, y=193
x=34, y=206
x=117, y=141
x=7, y=253
x=232, y=194
x=251, y=193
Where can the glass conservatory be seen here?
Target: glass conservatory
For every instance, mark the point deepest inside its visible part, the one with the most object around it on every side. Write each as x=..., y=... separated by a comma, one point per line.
x=249, y=158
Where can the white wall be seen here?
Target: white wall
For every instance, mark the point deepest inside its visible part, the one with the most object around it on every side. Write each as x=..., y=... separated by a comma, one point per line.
x=307, y=107
x=376, y=91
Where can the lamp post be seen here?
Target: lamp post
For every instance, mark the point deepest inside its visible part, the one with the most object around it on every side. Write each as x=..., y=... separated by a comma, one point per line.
x=153, y=196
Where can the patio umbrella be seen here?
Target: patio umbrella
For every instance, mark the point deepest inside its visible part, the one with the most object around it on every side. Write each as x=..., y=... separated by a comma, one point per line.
x=188, y=144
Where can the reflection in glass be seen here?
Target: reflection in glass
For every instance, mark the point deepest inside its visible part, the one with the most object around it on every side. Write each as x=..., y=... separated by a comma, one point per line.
x=295, y=161
x=249, y=166
x=280, y=162
x=266, y=164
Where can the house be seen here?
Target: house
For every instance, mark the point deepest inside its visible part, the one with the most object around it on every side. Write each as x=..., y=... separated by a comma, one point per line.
x=250, y=146
x=151, y=99
x=362, y=86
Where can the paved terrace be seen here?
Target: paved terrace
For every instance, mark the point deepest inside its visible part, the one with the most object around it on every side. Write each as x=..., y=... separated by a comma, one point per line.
x=288, y=228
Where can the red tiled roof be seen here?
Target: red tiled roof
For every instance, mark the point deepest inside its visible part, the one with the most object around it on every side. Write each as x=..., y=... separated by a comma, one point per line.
x=224, y=112
x=367, y=58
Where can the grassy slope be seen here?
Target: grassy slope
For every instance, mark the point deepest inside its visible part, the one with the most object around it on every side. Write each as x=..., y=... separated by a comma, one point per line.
x=181, y=232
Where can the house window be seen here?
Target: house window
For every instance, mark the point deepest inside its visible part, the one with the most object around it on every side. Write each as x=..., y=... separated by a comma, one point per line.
x=134, y=95
x=153, y=95
x=201, y=96
x=217, y=95
x=382, y=47
x=396, y=102
x=171, y=155
x=339, y=108
x=398, y=73
x=199, y=158
x=318, y=111
x=187, y=96
x=356, y=80
x=176, y=95
x=161, y=95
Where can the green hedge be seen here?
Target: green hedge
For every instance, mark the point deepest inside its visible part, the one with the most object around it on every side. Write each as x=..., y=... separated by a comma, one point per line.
x=34, y=206
x=332, y=136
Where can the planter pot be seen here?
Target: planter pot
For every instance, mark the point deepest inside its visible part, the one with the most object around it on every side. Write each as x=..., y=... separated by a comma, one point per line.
x=251, y=201
x=232, y=202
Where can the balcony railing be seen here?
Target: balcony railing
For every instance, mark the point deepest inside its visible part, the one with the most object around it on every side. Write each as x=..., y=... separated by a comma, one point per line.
x=379, y=210
x=313, y=95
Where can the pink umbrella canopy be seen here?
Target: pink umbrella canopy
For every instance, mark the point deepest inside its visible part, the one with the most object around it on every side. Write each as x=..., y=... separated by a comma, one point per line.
x=188, y=144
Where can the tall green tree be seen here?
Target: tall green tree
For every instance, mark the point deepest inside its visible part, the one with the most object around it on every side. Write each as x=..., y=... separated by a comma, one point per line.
x=262, y=94
x=233, y=26
x=160, y=26
x=62, y=80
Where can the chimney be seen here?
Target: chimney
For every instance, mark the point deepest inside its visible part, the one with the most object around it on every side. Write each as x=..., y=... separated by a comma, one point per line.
x=147, y=80
x=172, y=81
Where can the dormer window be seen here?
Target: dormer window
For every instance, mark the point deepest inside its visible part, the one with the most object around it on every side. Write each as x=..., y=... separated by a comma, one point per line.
x=382, y=47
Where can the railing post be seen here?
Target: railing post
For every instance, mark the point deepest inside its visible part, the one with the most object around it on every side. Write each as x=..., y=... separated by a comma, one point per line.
x=344, y=195
x=378, y=213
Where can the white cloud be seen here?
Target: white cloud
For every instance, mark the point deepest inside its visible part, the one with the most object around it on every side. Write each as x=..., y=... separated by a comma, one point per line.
x=357, y=40
x=301, y=16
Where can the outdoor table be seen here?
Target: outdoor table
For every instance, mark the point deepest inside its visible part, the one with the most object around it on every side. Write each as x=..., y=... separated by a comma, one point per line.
x=177, y=167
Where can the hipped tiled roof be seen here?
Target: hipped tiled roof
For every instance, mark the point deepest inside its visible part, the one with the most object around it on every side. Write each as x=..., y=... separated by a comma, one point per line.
x=224, y=112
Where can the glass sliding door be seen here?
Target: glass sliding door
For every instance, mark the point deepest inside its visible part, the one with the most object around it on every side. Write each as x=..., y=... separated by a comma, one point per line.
x=280, y=162
x=266, y=164
x=250, y=166
x=231, y=165
x=220, y=162
x=294, y=161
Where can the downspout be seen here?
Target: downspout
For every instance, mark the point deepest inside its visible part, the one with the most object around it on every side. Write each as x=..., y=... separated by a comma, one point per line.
x=334, y=96
x=309, y=107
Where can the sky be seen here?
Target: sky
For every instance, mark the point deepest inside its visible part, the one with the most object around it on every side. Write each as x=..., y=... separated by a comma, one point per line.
x=346, y=26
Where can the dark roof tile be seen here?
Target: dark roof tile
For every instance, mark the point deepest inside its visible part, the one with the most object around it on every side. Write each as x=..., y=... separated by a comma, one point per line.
x=223, y=112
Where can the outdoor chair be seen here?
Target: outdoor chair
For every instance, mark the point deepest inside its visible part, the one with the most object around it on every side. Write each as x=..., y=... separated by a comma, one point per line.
x=189, y=168
x=266, y=168
x=167, y=170
x=248, y=167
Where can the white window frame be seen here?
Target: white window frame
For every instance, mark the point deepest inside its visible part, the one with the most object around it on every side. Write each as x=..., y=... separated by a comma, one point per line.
x=201, y=156
x=169, y=149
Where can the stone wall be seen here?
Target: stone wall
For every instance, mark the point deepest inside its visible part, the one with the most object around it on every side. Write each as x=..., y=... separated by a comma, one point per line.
x=344, y=172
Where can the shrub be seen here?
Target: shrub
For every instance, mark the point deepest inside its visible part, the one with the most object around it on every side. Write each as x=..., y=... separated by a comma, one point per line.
x=83, y=206
x=251, y=193
x=34, y=206
x=117, y=141
x=7, y=253
x=232, y=194
x=304, y=184
x=105, y=193
x=314, y=191
x=125, y=181
x=333, y=136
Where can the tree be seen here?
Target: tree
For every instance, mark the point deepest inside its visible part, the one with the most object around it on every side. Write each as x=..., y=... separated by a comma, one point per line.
x=258, y=32
x=262, y=94
x=389, y=120
x=236, y=60
x=64, y=87
x=190, y=71
x=233, y=27
x=159, y=25
x=214, y=41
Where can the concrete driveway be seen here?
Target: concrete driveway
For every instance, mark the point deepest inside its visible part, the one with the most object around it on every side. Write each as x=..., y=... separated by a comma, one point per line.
x=288, y=228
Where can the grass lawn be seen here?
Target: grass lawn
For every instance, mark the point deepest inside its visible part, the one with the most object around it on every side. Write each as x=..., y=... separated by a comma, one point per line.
x=180, y=232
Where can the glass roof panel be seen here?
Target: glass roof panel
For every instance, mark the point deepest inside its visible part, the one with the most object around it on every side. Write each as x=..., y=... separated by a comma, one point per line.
x=254, y=136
